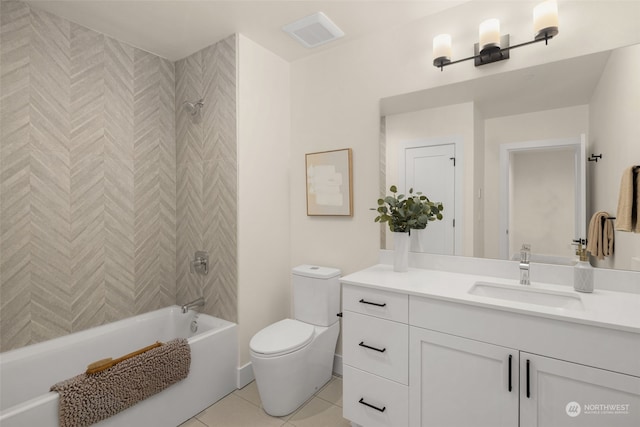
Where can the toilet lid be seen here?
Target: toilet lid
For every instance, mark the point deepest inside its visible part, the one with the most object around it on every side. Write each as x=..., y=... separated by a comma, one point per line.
x=282, y=337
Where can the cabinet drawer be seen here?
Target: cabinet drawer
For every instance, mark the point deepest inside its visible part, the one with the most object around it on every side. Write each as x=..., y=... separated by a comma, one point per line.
x=376, y=345
x=388, y=400
x=374, y=302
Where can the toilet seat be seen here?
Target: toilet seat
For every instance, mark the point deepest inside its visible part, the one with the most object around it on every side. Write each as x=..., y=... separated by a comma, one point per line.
x=285, y=336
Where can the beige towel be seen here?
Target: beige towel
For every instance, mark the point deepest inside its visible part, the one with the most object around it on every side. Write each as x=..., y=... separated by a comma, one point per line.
x=600, y=237
x=628, y=214
x=87, y=399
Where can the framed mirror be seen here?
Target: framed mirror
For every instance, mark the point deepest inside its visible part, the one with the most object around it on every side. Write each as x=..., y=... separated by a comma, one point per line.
x=593, y=95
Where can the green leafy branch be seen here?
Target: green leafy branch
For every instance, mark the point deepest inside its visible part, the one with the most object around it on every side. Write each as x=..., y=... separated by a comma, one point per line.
x=404, y=213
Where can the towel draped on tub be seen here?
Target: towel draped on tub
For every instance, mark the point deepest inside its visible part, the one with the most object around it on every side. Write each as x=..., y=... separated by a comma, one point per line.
x=88, y=398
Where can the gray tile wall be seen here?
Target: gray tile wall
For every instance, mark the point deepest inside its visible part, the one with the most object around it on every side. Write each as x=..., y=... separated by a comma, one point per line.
x=206, y=171
x=87, y=178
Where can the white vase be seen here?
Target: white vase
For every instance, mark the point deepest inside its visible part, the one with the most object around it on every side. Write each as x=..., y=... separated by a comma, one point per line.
x=401, y=252
x=416, y=241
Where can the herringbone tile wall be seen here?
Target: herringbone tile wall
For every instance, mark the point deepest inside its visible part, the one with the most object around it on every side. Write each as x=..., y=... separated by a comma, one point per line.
x=87, y=178
x=207, y=187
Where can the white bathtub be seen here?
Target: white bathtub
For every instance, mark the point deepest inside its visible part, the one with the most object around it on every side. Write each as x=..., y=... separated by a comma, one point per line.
x=26, y=374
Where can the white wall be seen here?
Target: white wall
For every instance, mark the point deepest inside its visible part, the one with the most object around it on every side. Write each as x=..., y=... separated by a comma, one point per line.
x=263, y=191
x=549, y=124
x=615, y=116
x=335, y=96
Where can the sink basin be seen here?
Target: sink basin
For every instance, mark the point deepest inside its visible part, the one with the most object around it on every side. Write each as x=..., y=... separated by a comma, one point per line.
x=529, y=295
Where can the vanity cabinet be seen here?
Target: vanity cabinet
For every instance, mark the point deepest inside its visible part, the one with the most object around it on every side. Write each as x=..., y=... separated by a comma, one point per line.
x=375, y=343
x=460, y=382
x=568, y=394
x=478, y=366
x=418, y=361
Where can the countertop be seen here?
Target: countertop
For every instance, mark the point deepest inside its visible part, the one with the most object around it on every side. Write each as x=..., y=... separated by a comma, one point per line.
x=607, y=309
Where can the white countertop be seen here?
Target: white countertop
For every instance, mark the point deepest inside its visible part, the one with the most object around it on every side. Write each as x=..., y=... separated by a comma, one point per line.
x=608, y=309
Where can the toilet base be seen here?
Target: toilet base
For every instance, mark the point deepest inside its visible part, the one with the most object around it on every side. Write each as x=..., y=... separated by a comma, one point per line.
x=286, y=382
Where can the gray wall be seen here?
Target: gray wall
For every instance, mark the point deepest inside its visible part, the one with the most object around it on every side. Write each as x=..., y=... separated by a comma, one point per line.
x=207, y=177
x=87, y=178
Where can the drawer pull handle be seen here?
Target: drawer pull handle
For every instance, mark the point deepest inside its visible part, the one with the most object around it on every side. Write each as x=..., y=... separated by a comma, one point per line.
x=371, y=406
x=528, y=379
x=362, y=344
x=373, y=303
x=510, y=357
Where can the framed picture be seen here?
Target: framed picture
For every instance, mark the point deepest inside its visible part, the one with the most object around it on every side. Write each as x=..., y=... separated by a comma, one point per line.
x=329, y=183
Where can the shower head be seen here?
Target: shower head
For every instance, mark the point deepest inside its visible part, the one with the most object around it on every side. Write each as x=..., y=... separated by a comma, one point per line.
x=193, y=108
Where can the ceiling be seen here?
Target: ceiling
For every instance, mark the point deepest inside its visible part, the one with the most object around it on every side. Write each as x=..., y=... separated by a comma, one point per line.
x=174, y=29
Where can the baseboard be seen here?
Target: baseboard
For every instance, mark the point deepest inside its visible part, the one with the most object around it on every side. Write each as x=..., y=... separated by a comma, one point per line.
x=337, y=364
x=245, y=375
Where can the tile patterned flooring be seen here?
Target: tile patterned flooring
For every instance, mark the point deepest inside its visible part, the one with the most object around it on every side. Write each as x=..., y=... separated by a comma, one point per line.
x=242, y=408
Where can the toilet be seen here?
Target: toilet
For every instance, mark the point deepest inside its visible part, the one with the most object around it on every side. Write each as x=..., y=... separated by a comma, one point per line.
x=293, y=358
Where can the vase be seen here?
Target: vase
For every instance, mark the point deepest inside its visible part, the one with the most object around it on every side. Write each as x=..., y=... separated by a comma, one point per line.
x=401, y=252
x=416, y=241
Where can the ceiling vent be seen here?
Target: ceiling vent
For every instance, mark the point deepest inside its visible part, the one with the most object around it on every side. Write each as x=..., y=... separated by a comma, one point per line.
x=314, y=30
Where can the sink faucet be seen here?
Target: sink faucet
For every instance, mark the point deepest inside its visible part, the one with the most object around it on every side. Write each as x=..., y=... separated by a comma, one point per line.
x=525, y=254
x=196, y=303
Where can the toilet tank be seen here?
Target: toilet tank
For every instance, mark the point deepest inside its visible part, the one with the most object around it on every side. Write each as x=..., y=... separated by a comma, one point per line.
x=316, y=294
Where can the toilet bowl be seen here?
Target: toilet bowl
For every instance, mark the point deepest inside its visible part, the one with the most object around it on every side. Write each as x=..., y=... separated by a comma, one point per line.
x=293, y=358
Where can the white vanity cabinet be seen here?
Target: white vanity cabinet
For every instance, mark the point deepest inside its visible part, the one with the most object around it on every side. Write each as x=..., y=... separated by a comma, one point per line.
x=482, y=367
x=375, y=342
x=461, y=382
x=415, y=360
x=568, y=394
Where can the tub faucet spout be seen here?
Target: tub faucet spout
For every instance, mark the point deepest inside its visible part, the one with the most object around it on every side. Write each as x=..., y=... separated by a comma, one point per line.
x=196, y=303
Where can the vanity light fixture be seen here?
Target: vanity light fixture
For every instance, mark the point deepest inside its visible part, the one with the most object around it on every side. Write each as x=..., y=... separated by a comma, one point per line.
x=494, y=47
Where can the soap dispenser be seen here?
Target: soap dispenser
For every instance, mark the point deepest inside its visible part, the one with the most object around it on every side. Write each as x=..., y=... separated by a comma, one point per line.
x=582, y=271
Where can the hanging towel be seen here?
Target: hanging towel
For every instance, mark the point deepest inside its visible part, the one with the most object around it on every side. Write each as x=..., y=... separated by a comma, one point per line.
x=88, y=398
x=600, y=236
x=628, y=214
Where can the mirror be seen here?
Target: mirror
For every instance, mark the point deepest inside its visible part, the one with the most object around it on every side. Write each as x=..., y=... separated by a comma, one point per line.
x=551, y=171
x=593, y=95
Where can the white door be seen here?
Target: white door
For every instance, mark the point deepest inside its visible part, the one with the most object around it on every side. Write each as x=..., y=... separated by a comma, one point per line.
x=431, y=170
x=458, y=382
x=556, y=393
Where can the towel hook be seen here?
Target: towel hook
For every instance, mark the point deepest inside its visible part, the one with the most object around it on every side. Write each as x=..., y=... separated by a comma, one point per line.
x=594, y=158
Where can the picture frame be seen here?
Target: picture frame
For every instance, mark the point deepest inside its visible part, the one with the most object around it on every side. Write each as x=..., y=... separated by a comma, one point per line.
x=329, y=180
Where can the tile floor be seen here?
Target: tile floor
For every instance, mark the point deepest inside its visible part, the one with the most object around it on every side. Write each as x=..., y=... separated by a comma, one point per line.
x=242, y=409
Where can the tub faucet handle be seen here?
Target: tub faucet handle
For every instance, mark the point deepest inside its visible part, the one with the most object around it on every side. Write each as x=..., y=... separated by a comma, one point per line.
x=200, y=264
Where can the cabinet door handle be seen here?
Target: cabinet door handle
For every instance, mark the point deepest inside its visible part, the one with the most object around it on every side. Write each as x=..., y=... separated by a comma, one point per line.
x=528, y=379
x=371, y=406
x=510, y=357
x=373, y=303
x=362, y=344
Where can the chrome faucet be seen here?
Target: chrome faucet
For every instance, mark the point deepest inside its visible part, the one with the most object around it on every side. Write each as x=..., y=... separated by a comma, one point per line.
x=196, y=303
x=525, y=255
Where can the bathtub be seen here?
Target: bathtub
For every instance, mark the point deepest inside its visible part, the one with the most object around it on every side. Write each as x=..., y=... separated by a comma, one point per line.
x=27, y=373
